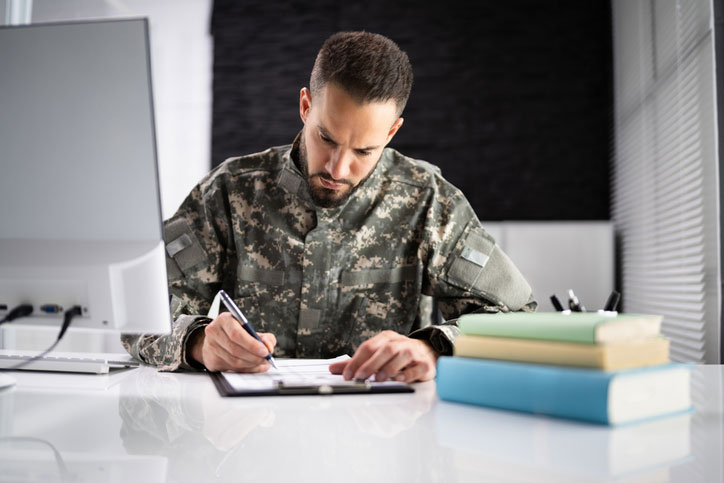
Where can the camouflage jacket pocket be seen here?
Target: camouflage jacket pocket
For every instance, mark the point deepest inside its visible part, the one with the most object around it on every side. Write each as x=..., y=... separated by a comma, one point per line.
x=377, y=299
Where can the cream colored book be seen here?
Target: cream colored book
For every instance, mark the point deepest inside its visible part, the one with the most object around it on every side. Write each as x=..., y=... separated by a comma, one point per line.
x=614, y=356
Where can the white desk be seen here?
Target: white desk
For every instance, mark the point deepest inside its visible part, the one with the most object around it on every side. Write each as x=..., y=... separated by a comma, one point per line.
x=140, y=425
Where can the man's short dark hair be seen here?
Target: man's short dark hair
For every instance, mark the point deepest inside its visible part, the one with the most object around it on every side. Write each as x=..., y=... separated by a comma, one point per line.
x=369, y=67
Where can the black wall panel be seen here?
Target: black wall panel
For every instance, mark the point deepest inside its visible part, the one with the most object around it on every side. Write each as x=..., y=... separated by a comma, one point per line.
x=511, y=99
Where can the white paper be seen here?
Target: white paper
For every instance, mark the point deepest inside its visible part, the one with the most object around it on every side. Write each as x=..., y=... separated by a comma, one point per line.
x=215, y=307
x=289, y=372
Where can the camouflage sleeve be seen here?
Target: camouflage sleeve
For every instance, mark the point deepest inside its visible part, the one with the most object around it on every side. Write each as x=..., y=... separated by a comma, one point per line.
x=167, y=352
x=197, y=237
x=465, y=270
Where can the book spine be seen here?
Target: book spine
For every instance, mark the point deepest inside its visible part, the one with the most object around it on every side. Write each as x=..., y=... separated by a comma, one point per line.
x=583, y=333
x=556, y=391
x=529, y=350
x=622, y=355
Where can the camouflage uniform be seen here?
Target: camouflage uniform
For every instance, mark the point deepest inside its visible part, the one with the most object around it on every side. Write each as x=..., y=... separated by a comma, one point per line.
x=323, y=280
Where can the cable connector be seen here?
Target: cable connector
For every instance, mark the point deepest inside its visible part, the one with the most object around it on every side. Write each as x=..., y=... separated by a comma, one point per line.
x=22, y=310
x=75, y=311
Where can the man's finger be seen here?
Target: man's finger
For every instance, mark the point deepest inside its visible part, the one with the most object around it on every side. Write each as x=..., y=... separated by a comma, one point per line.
x=360, y=356
x=217, y=340
x=270, y=341
x=366, y=350
x=382, y=356
x=226, y=361
x=263, y=367
x=233, y=354
x=217, y=359
x=239, y=336
x=393, y=366
x=416, y=372
x=338, y=367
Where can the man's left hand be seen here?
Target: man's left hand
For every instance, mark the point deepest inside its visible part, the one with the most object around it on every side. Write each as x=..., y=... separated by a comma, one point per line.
x=389, y=355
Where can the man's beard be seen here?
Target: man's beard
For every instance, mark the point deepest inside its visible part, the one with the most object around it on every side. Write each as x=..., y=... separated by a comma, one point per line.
x=321, y=196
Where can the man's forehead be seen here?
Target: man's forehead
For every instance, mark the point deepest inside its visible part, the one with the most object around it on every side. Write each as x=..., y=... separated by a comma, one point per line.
x=334, y=90
x=364, y=142
x=338, y=108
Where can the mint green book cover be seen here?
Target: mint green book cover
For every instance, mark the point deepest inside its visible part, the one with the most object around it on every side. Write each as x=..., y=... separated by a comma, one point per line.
x=581, y=327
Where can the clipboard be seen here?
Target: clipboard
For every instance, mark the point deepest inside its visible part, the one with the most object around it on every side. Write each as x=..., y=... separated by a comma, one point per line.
x=282, y=388
x=299, y=377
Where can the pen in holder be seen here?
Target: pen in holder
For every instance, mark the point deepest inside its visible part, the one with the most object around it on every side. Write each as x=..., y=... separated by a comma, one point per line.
x=556, y=303
x=612, y=302
x=575, y=305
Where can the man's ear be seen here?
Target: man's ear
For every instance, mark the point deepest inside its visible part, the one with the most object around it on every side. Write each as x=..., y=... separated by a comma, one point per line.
x=393, y=130
x=305, y=103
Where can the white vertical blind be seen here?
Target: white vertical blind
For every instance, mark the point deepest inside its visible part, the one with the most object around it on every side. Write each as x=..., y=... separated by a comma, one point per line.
x=665, y=181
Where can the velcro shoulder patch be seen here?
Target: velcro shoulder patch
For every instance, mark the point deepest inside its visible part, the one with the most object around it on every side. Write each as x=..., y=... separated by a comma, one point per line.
x=182, y=244
x=483, y=268
x=477, y=249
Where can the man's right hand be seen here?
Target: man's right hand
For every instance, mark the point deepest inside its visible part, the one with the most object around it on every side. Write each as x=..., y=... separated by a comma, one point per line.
x=224, y=345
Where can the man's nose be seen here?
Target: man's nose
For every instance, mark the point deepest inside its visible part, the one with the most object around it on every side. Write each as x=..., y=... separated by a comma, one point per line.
x=338, y=165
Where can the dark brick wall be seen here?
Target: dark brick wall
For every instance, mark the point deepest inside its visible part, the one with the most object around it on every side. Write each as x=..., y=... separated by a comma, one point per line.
x=511, y=99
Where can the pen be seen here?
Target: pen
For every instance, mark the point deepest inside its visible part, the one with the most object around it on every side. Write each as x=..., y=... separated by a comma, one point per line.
x=574, y=303
x=244, y=323
x=556, y=303
x=612, y=301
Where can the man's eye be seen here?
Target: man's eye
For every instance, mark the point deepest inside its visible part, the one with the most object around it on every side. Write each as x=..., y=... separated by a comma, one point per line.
x=364, y=153
x=326, y=139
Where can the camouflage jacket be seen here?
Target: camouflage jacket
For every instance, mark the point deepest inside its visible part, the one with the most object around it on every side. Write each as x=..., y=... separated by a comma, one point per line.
x=323, y=280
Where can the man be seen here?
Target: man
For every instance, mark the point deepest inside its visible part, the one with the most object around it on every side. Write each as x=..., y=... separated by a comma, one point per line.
x=328, y=245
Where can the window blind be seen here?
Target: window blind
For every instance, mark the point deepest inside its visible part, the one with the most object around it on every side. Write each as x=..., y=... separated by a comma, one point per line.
x=665, y=201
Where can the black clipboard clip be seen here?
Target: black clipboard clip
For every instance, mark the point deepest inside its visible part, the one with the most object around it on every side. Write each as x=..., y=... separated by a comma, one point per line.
x=338, y=388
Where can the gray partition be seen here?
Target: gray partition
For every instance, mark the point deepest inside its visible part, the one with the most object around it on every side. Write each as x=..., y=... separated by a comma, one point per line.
x=557, y=256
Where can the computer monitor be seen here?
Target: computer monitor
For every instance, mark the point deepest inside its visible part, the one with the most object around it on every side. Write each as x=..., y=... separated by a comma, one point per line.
x=80, y=211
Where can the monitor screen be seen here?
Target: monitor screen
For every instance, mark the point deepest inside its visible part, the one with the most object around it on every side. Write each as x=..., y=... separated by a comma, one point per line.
x=80, y=214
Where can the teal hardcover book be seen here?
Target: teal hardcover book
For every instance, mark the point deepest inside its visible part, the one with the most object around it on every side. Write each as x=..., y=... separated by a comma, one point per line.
x=612, y=398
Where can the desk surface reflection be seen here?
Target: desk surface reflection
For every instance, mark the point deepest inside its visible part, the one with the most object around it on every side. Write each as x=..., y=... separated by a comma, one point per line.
x=142, y=425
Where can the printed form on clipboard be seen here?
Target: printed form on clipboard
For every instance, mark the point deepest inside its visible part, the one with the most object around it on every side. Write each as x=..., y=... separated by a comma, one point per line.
x=300, y=377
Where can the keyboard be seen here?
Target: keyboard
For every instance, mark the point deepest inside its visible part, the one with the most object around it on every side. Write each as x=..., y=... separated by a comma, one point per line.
x=79, y=362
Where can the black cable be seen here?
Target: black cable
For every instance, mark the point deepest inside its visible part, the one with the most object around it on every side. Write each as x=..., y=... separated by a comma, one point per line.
x=74, y=311
x=67, y=319
x=22, y=310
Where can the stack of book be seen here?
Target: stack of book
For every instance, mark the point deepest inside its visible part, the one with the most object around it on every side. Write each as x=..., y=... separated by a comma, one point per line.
x=599, y=367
